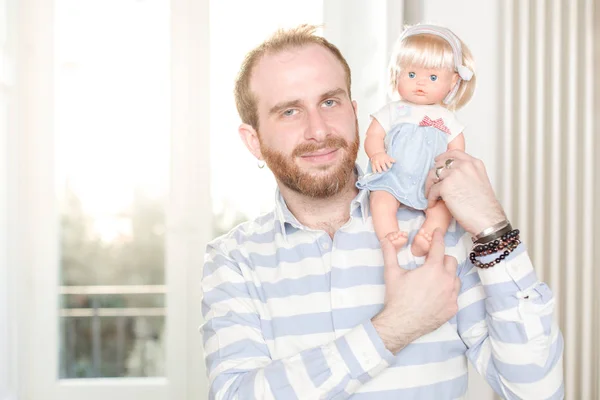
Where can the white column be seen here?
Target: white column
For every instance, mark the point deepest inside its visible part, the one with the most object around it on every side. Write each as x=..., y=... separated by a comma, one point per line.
x=365, y=32
x=8, y=314
x=5, y=323
x=190, y=210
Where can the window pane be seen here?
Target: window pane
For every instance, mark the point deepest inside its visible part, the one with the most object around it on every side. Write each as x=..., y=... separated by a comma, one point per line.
x=112, y=159
x=240, y=190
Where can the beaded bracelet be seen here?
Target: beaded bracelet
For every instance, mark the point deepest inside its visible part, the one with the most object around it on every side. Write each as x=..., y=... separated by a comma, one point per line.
x=507, y=242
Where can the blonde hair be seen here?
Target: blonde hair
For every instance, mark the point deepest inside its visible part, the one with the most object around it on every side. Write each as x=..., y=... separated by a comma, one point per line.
x=282, y=40
x=431, y=51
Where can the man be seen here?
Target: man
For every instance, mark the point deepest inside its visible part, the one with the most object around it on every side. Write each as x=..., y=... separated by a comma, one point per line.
x=306, y=303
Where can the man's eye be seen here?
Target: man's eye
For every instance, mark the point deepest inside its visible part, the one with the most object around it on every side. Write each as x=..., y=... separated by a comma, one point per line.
x=329, y=103
x=433, y=78
x=411, y=75
x=289, y=113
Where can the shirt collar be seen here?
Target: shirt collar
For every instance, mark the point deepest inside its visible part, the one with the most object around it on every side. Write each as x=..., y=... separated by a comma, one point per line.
x=287, y=222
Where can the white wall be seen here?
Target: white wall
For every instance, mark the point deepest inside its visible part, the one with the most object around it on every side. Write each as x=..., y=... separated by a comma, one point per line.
x=4, y=321
x=364, y=32
x=8, y=356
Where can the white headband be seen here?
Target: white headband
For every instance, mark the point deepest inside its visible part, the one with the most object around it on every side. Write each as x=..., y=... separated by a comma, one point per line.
x=463, y=71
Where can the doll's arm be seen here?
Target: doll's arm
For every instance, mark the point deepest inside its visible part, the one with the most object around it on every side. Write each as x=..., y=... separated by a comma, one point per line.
x=374, y=143
x=457, y=143
x=375, y=148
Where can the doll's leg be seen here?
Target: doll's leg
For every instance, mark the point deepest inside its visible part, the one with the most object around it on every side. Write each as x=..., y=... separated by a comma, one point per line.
x=384, y=207
x=437, y=216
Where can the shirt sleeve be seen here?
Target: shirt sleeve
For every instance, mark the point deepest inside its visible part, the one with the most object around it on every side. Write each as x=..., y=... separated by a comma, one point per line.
x=238, y=359
x=506, y=319
x=384, y=116
x=454, y=125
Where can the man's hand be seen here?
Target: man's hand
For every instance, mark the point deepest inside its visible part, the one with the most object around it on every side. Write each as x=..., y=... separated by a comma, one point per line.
x=418, y=301
x=466, y=190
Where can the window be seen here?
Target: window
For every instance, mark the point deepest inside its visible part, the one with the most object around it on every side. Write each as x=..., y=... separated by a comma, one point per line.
x=110, y=230
x=112, y=132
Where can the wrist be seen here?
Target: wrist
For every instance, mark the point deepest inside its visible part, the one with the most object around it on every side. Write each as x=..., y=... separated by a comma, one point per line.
x=486, y=221
x=395, y=332
x=376, y=153
x=492, y=232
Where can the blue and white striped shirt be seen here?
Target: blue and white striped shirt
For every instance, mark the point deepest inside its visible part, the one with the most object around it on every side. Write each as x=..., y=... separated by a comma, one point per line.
x=287, y=315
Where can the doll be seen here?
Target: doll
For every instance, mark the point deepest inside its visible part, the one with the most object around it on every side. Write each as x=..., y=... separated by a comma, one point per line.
x=431, y=71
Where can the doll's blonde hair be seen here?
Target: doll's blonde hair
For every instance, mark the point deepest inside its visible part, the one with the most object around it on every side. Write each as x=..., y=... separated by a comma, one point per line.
x=431, y=51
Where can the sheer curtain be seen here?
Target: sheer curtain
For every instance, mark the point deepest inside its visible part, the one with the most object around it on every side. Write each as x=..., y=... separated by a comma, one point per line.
x=548, y=152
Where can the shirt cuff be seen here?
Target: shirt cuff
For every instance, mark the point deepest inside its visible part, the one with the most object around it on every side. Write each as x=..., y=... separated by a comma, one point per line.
x=363, y=352
x=513, y=275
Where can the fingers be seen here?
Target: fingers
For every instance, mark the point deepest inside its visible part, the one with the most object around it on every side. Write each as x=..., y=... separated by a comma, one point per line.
x=430, y=181
x=434, y=194
x=390, y=259
x=391, y=270
x=382, y=164
x=456, y=154
x=434, y=177
x=437, y=249
x=457, y=285
x=451, y=264
x=377, y=167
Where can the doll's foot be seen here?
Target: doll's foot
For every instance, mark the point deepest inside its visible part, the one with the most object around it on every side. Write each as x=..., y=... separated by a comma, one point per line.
x=421, y=244
x=398, y=239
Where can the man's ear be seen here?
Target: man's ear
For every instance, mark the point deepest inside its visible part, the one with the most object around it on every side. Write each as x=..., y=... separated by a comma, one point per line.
x=250, y=138
x=355, y=105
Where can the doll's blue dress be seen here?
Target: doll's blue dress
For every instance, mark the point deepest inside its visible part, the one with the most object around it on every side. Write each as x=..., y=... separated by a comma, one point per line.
x=415, y=135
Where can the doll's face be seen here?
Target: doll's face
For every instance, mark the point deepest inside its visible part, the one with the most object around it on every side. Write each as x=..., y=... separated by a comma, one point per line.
x=425, y=85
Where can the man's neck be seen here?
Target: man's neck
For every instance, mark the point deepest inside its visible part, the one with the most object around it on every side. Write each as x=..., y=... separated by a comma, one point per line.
x=327, y=214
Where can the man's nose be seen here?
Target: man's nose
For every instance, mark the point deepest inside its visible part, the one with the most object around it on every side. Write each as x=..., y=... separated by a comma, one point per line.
x=317, y=126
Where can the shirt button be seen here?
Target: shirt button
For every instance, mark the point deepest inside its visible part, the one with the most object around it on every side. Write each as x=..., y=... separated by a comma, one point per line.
x=325, y=245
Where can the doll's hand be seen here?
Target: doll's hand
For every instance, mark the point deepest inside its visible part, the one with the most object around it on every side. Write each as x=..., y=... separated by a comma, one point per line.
x=381, y=162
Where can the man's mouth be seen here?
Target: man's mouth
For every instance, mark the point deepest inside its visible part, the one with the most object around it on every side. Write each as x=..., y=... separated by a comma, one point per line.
x=319, y=152
x=325, y=154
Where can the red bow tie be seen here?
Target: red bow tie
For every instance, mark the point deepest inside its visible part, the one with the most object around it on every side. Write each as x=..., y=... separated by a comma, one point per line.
x=438, y=123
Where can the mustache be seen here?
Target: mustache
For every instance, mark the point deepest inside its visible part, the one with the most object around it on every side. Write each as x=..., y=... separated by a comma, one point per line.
x=332, y=142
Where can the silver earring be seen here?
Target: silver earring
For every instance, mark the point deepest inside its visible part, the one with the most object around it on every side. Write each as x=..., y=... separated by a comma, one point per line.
x=260, y=164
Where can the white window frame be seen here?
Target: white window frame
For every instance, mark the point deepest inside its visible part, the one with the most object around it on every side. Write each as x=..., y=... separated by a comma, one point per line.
x=35, y=223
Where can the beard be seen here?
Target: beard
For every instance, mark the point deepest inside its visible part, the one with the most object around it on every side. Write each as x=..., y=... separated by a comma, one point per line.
x=322, y=185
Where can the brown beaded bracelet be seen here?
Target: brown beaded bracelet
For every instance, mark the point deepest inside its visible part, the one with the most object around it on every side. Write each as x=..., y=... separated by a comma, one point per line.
x=496, y=245
x=508, y=242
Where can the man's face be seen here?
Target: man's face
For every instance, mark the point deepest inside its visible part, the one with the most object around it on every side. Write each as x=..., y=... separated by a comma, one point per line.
x=308, y=131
